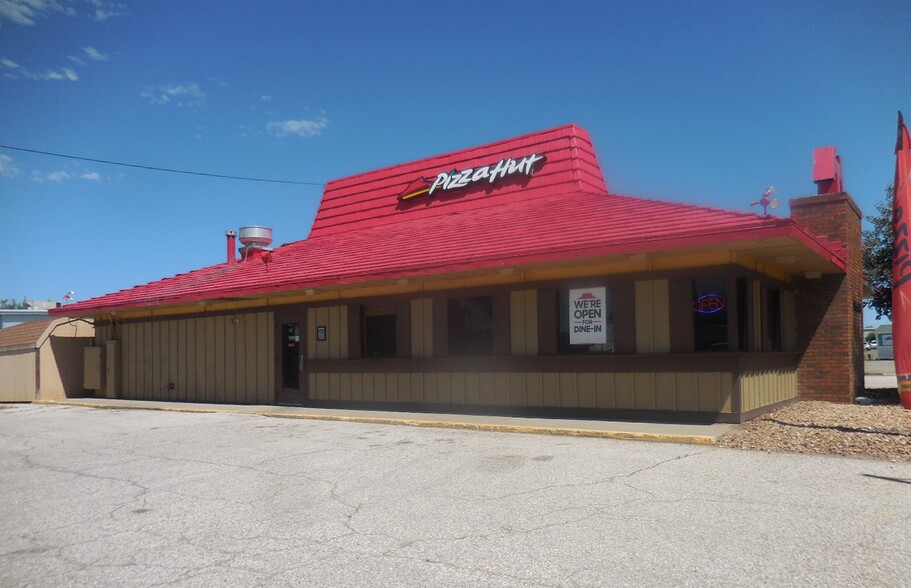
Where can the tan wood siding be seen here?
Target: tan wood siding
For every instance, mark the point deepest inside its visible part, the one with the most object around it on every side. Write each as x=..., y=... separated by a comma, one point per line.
x=523, y=321
x=17, y=383
x=764, y=387
x=207, y=359
x=652, y=316
x=422, y=327
x=335, y=320
x=684, y=391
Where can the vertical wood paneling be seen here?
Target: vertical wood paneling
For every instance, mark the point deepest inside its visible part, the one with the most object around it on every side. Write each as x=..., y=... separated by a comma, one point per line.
x=265, y=339
x=182, y=360
x=155, y=364
x=392, y=388
x=430, y=388
x=403, y=387
x=517, y=322
x=134, y=354
x=708, y=390
x=665, y=391
x=311, y=333
x=457, y=388
x=624, y=394
x=334, y=387
x=586, y=390
x=487, y=387
x=517, y=386
x=534, y=392
x=417, y=328
x=379, y=388
x=652, y=316
x=604, y=390
x=171, y=383
x=472, y=388
x=444, y=388
x=687, y=397
x=357, y=387
x=644, y=383
x=199, y=372
x=550, y=385
x=344, y=386
x=568, y=394
x=322, y=386
x=523, y=320
x=417, y=387
x=725, y=391
x=501, y=388
x=219, y=359
x=238, y=359
x=231, y=343
x=211, y=345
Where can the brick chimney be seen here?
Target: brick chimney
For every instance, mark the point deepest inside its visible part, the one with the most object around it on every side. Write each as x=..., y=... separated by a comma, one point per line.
x=830, y=307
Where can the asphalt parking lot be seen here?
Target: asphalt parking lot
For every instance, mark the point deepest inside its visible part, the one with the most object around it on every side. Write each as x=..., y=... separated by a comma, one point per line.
x=144, y=498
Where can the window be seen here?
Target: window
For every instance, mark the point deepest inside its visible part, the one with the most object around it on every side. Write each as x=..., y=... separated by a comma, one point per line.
x=379, y=331
x=565, y=312
x=471, y=326
x=771, y=336
x=710, y=315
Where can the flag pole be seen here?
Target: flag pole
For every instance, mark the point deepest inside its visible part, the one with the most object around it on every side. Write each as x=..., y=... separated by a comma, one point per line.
x=901, y=264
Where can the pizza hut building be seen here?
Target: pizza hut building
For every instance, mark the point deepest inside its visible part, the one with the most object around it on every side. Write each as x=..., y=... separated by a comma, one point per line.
x=508, y=278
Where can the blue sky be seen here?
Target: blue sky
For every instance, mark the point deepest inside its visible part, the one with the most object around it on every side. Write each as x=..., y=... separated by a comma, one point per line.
x=700, y=102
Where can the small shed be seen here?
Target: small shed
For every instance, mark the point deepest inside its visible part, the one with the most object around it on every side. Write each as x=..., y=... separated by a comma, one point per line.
x=42, y=359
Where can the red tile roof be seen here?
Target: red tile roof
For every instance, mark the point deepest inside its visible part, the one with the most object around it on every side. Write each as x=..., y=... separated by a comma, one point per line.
x=362, y=232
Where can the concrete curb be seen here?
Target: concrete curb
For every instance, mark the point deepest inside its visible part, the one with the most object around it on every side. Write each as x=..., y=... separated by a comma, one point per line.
x=491, y=427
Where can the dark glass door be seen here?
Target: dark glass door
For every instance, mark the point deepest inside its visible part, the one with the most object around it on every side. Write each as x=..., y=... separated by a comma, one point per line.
x=291, y=357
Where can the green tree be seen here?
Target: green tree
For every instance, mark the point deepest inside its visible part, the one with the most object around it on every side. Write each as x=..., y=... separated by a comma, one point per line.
x=877, y=244
x=11, y=304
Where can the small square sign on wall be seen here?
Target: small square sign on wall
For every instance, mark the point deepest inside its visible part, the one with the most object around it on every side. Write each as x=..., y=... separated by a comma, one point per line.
x=320, y=333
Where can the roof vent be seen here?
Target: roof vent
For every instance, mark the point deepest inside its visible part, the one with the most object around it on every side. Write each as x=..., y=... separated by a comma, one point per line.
x=255, y=240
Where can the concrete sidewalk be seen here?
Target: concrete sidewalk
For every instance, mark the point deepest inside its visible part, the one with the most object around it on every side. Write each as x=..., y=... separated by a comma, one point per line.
x=644, y=431
x=880, y=374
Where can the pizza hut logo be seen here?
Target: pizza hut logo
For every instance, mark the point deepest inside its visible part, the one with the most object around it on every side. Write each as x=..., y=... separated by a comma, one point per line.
x=457, y=179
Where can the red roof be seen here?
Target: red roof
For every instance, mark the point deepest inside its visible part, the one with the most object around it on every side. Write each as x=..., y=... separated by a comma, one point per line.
x=563, y=211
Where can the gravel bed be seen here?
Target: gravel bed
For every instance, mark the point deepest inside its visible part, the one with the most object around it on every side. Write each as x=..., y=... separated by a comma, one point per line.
x=881, y=432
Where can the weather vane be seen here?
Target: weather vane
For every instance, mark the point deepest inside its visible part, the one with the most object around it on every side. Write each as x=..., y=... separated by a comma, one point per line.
x=767, y=201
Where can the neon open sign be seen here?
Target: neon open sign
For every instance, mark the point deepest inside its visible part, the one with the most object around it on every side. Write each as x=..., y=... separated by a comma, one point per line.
x=710, y=304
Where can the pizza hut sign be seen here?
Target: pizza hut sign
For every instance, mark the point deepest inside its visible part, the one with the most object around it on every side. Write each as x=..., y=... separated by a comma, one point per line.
x=458, y=179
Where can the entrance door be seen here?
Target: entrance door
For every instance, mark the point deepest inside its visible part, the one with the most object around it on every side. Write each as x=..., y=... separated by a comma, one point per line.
x=290, y=380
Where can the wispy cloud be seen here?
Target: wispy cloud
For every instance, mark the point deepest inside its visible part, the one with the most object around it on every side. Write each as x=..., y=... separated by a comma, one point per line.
x=186, y=94
x=266, y=98
x=105, y=10
x=300, y=127
x=28, y=12
x=91, y=176
x=8, y=167
x=58, y=176
x=14, y=70
x=95, y=54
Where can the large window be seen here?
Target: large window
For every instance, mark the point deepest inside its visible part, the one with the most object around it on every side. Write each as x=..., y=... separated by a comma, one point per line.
x=379, y=331
x=710, y=315
x=588, y=312
x=471, y=326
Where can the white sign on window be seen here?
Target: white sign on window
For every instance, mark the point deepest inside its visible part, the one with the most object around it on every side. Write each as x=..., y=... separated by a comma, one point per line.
x=587, y=316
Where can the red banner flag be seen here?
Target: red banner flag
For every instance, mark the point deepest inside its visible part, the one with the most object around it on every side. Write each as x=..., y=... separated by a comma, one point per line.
x=901, y=264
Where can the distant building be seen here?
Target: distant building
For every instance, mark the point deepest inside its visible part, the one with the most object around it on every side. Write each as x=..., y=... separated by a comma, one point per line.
x=11, y=317
x=884, y=342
